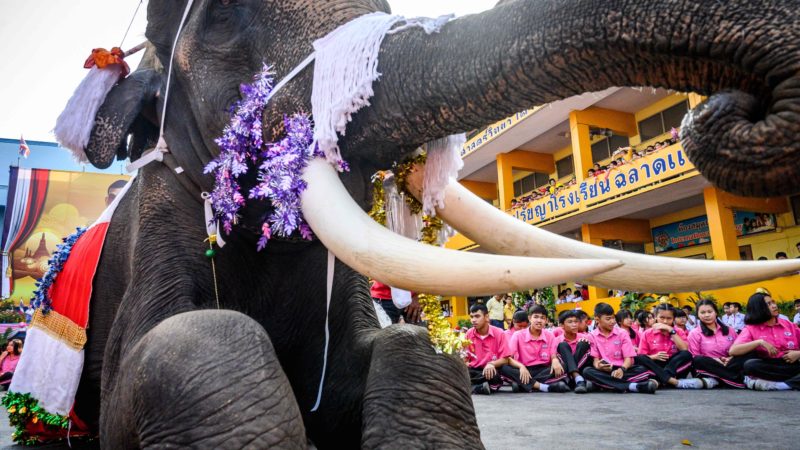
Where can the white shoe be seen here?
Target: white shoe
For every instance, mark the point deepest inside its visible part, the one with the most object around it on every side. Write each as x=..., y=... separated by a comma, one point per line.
x=690, y=383
x=758, y=384
x=709, y=383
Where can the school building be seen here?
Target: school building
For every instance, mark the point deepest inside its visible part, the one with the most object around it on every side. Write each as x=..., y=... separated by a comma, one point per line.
x=654, y=203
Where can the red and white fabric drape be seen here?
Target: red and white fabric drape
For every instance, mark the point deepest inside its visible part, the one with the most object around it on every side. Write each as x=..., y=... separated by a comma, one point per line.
x=27, y=190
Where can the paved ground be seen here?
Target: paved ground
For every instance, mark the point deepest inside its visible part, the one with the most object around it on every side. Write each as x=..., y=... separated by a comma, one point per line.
x=718, y=419
x=715, y=419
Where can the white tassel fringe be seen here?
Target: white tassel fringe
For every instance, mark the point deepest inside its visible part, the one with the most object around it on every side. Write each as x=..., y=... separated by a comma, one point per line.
x=74, y=125
x=443, y=162
x=345, y=67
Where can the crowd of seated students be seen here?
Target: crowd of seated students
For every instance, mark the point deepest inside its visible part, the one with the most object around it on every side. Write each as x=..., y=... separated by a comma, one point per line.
x=620, y=157
x=637, y=352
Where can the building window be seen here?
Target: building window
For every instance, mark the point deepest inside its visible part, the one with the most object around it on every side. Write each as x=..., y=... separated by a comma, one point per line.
x=530, y=182
x=564, y=167
x=662, y=122
x=603, y=149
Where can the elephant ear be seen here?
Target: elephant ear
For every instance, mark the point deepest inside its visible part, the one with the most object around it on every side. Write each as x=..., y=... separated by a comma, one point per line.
x=128, y=110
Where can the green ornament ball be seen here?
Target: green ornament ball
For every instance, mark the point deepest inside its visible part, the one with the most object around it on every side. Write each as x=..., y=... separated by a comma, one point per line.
x=210, y=253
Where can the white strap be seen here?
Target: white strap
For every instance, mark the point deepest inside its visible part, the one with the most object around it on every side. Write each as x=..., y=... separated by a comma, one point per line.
x=328, y=292
x=212, y=226
x=156, y=154
x=169, y=70
x=291, y=75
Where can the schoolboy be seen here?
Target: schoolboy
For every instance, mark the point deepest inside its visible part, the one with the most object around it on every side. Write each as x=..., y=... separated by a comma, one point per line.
x=573, y=350
x=488, y=352
x=518, y=322
x=612, y=357
x=536, y=365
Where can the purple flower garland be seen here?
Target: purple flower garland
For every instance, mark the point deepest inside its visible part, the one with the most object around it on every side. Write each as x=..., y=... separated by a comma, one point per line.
x=280, y=164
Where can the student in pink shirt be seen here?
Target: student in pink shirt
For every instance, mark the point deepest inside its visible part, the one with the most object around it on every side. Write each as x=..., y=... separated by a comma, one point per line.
x=488, y=352
x=709, y=344
x=776, y=343
x=9, y=360
x=644, y=320
x=680, y=322
x=535, y=365
x=613, y=355
x=583, y=321
x=518, y=322
x=663, y=350
x=625, y=322
x=573, y=349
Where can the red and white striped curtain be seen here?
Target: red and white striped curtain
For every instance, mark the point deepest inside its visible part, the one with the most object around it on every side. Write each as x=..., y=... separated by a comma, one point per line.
x=27, y=190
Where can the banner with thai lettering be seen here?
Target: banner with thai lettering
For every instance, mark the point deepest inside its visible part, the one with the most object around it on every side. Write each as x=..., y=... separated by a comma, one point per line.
x=694, y=231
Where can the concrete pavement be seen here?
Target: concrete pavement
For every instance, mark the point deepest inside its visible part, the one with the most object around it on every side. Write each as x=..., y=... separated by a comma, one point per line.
x=709, y=419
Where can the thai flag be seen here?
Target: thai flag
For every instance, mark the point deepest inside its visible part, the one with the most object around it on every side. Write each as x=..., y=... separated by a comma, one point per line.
x=24, y=150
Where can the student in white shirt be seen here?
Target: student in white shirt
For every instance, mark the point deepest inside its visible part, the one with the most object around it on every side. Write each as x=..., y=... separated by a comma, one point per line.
x=691, y=320
x=796, y=319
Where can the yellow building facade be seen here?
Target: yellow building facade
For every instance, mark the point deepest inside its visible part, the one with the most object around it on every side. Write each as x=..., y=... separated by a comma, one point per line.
x=654, y=202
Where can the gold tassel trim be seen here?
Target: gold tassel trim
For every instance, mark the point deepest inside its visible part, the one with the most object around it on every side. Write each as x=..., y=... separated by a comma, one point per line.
x=60, y=327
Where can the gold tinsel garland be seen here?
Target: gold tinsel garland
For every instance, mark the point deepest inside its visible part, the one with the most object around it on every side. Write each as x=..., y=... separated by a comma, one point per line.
x=378, y=211
x=443, y=338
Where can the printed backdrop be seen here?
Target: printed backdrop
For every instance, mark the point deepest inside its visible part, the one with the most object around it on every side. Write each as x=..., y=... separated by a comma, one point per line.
x=63, y=201
x=691, y=232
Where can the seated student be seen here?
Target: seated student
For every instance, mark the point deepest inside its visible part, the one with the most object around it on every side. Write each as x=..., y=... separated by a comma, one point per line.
x=663, y=350
x=573, y=349
x=625, y=322
x=612, y=358
x=518, y=322
x=691, y=320
x=644, y=320
x=488, y=352
x=680, y=322
x=776, y=343
x=562, y=298
x=709, y=344
x=583, y=321
x=536, y=365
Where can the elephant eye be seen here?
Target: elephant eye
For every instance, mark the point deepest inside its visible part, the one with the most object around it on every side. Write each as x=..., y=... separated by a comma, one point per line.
x=227, y=2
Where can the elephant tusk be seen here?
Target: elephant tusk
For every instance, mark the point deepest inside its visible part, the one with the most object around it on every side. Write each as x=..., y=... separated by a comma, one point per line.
x=373, y=250
x=500, y=233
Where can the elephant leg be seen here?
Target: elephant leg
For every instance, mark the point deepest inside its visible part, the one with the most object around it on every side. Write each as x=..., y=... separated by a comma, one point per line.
x=202, y=379
x=410, y=393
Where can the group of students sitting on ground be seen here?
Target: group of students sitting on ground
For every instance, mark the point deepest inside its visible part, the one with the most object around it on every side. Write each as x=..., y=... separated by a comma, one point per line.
x=620, y=356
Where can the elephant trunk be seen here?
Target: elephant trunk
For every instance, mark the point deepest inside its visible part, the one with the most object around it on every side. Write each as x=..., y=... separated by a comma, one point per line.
x=524, y=53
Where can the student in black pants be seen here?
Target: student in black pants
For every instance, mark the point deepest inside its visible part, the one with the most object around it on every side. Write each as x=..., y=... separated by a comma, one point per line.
x=664, y=350
x=573, y=349
x=612, y=358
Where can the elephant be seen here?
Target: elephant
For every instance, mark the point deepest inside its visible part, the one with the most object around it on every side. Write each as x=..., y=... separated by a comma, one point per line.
x=153, y=372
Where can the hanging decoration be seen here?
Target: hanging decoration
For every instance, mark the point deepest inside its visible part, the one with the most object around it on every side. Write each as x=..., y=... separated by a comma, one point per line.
x=279, y=164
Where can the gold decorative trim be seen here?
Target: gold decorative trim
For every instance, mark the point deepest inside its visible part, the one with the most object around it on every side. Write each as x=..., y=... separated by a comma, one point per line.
x=60, y=327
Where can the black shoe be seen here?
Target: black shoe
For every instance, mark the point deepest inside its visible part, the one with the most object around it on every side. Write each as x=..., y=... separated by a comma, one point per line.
x=515, y=387
x=582, y=387
x=482, y=389
x=559, y=387
x=647, y=387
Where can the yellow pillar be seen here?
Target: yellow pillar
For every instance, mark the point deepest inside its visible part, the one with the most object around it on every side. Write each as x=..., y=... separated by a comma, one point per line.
x=486, y=191
x=581, y=146
x=720, y=226
x=505, y=182
x=586, y=234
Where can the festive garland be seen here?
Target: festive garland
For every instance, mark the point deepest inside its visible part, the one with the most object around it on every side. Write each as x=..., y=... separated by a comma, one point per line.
x=442, y=336
x=378, y=211
x=41, y=297
x=22, y=408
x=280, y=164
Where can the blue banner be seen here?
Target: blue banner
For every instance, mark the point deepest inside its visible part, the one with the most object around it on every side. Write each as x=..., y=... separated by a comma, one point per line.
x=691, y=232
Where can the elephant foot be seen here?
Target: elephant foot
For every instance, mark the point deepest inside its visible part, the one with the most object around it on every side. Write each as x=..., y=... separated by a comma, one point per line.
x=412, y=392
x=202, y=379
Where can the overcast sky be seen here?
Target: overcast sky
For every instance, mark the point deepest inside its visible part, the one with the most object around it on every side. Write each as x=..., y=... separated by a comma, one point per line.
x=44, y=44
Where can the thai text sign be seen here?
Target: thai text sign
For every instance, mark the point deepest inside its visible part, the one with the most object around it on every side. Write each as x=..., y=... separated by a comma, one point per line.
x=657, y=167
x=691, y=232
x=494, y=130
